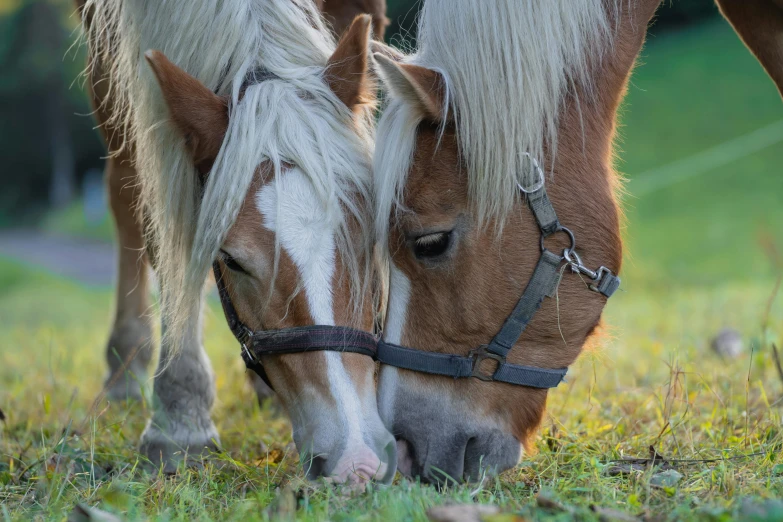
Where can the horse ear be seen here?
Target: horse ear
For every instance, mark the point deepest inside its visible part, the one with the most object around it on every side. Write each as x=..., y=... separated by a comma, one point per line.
x=388, y=51
x=423, y=88
x=760, y=25
x=346, y=70
x=199, y=114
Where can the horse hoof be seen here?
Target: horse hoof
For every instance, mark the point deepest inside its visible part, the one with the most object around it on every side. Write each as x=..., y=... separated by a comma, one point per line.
x=127, y=386
x=169, y=455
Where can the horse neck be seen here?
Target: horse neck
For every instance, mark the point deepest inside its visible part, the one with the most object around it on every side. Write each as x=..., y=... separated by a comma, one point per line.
x=584, y=186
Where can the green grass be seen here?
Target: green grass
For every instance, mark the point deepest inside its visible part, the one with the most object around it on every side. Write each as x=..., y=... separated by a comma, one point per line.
x=696, y=90
x=71, y=221
x=699, y=261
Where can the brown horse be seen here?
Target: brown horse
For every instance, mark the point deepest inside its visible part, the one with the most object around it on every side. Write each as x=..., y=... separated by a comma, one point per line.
x=253, y=153
x=497, y=93
x=129, y=350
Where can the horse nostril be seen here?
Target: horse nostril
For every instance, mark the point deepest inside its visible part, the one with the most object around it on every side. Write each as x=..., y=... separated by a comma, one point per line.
x=444, y=465
x=489, y=454
x=316, y=467
x=473, y=460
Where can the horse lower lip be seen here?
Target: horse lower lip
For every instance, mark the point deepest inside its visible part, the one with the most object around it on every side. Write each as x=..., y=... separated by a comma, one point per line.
x=360, y=474
x=404, y=458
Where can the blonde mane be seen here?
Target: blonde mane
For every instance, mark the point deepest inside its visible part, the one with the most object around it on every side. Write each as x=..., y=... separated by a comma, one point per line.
x=507, y=66
x=294, y=118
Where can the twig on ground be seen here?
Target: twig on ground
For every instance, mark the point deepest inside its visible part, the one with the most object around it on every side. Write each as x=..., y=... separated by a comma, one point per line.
x=656, y=459
x=770, y=301
x=776, y=355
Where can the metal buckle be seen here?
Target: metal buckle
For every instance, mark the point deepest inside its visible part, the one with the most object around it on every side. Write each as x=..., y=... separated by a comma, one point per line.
x=539, y=181
x=575, y=263
x=479, y=355
x=248, y=336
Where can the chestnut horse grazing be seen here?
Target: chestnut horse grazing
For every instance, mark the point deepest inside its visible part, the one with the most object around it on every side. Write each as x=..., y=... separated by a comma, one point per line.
x=251, y=133
x=496, y=202
x=129, y=350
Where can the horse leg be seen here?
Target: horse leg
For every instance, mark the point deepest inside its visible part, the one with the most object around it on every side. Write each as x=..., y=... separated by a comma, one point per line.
x=181, y=426
x=184, y=390
x=129, y=349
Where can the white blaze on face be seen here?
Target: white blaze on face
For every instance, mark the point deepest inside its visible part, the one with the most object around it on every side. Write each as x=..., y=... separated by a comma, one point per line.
x=293, y=211
x=396, y=314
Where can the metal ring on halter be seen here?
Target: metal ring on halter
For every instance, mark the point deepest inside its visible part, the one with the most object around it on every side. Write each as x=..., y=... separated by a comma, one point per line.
x=570, y=236
x=539, y=184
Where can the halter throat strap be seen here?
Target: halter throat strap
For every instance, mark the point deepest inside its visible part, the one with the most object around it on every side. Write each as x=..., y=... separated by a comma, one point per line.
x=542, y=284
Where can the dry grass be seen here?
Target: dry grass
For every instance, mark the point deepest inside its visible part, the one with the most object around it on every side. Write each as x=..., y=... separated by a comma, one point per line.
x=656, y=383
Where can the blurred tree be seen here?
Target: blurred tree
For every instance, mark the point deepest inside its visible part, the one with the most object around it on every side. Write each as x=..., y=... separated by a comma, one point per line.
x=45, y=137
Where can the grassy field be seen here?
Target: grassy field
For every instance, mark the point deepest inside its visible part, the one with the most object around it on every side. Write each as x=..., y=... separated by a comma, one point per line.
x=701, y=257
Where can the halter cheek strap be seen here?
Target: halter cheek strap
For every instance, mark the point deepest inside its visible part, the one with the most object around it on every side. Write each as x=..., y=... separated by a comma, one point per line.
x=299, y=339
x=543, y=283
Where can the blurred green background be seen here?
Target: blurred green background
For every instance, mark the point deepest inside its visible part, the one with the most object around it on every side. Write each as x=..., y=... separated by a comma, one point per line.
x=700, y=141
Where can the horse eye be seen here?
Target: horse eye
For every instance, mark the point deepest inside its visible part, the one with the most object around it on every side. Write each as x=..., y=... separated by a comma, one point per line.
x=231, y=263
x=431, y=245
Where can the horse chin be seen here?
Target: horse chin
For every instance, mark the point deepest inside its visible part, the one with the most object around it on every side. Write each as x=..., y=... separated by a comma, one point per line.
x=341, y=441
x=443, y=440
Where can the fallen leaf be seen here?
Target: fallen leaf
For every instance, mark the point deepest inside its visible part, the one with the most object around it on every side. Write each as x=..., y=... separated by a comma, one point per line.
x=612, y=515
x=760, y=509
x=461, y=513
x=273, y=456
x=543, y=500
x=666, y=479
x=82, y=513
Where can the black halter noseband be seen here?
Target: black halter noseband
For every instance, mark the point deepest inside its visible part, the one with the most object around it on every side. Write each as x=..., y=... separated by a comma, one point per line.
x=299, y=339
x=542, y=284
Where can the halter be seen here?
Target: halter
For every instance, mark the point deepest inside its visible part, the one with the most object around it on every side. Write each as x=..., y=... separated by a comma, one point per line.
x=543, y=283
x=300, y=339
